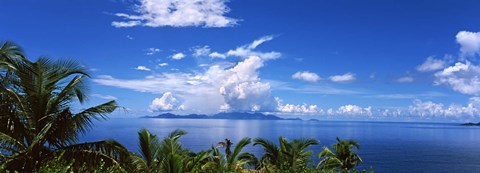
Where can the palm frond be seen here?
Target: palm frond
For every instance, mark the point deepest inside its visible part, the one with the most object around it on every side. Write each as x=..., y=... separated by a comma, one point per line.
x=39, y=139
x=149, y=146
x=238, y=148
x=10, y=144
x=83, y=120
x=177, y=134
x=91, y=153
x=138, y=164
x=272, y=152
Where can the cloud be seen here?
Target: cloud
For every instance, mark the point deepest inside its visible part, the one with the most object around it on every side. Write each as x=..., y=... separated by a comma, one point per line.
x=178, y=56
x=461, y=77
x=347, y=77
x=406, y=79
x=163, y=64
x=306, y=76
x=165, y=103
x=243, y=90
x=201, y=51
x=431, y=109
x=125, y=24
x=432, y=64
x=175, y=13
x=106, y=97
x=469, y=42
x=233, y=89
x=130, y=37
x=152, y=51
x=217, y=55
x=228, y=87
x=297, y=109
x=354, y=110
x=142, y=68
x=246, y=51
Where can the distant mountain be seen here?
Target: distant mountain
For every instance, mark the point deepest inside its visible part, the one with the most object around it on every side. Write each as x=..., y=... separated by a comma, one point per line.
x=173, y=116
x=229, y=116
x=471, y=124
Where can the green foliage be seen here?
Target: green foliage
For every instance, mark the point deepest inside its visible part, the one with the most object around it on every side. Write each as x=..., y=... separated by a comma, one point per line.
x=289, y=156
x=343, y=157
x=36, y=119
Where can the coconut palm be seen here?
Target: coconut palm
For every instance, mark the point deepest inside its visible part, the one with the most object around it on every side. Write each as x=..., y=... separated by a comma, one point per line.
x=37, y=119
x=343, y=157
x=149, y=146
x=288, y=155
x=8, y=123
x=10, y=50
x=166, y=155
x=232, y=161
x=171, y=155
x=272, y=153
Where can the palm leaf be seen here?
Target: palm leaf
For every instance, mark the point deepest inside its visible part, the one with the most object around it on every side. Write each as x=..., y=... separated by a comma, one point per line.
x=91, y=153
x=149, y=146
x=272, y=152
x=238, y=148
x=10, y=144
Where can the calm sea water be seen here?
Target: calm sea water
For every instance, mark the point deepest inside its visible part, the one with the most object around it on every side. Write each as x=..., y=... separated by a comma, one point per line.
x=385, y=146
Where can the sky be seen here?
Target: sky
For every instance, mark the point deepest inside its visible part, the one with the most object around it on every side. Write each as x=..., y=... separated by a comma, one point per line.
x=364, y=60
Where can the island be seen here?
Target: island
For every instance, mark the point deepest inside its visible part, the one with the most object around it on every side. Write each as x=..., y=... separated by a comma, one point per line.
x=228, y=116
x=471, y=124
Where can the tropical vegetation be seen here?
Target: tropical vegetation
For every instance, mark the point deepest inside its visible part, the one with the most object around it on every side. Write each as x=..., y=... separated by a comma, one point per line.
x=40, y=126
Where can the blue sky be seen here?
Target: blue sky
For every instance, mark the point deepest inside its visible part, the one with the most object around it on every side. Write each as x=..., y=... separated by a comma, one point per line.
x=388, y=60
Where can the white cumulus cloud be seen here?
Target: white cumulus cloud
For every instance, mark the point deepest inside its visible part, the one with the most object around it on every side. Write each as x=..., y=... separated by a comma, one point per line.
x=469, y=42
x=142, y=68
x=163, y=64
x=432, y=64
x=354, y=110
x=431, y=109
x=235, y=89
x=347, y=77
x=217, y=55
x=166, y=103
x=300, y=109
x=177, y=13
x=306, y=76
x=200, y=51
x=178, y=56
x=243, y=90
x=461, y=77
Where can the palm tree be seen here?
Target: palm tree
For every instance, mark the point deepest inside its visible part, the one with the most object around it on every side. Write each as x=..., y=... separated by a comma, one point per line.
x=272, y=155
x=36, y=118
x=167, y=155
x=232, y=161
x=149, y=146
x=289, y=155
x=343, y=157
x=8, y=123
x=10, y=50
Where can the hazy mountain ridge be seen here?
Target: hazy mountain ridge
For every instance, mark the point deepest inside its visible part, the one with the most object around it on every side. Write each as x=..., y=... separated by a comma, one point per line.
x=229, y=116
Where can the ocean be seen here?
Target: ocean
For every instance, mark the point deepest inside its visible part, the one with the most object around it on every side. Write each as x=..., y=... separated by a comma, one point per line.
x=384, y=146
